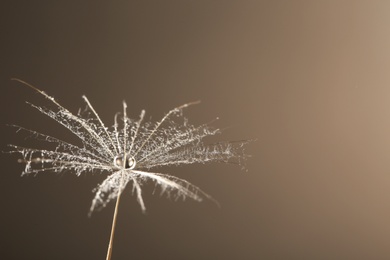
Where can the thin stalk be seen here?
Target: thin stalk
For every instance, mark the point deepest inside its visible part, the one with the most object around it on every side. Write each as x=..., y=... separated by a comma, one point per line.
x=111, y=243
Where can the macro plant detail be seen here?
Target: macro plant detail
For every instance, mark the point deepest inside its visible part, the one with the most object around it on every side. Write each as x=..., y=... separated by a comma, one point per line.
x=128, y=152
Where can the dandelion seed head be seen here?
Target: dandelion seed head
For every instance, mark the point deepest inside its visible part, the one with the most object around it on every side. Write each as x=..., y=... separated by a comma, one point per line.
x=128, y=152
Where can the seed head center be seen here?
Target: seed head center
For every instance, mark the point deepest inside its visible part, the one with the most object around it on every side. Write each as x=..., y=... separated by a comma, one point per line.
x=121, y=161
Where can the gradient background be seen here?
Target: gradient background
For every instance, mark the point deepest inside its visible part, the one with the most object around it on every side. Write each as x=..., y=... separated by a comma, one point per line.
x=309, y=79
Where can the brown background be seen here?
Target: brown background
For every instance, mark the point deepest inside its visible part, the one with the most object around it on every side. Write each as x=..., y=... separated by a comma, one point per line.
x=309, y=79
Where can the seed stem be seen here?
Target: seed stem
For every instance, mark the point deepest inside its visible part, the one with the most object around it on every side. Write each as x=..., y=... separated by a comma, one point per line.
x=111, y=243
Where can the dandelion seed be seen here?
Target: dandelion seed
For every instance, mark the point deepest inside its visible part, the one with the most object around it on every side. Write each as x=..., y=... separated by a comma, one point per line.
x=127, y=152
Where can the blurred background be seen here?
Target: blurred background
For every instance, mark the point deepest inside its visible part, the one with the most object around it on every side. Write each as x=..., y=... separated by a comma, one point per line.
x=308, y=79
